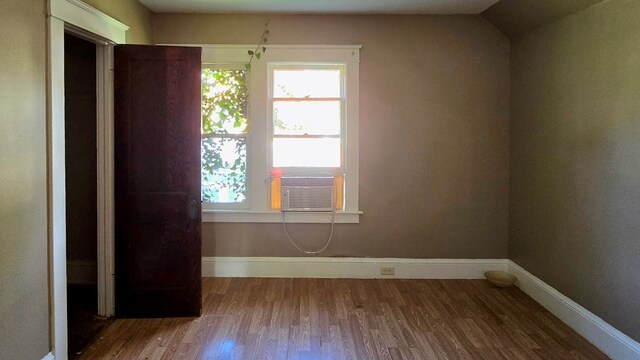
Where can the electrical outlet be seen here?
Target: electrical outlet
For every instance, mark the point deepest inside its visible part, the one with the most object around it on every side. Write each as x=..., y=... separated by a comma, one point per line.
x=387, y=270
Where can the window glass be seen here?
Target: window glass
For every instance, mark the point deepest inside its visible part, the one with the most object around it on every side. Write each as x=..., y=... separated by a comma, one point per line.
x=306, y=152
x=224, y=130
x=304, y=83
x=307, y=119
x=224, y=101
x=224, y=170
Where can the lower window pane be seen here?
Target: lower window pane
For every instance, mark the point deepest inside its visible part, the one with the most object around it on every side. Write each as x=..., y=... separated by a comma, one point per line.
x=289, y=152
x=224, y=170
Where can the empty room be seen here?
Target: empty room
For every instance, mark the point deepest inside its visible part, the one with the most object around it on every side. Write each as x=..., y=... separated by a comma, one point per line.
x=320, y=179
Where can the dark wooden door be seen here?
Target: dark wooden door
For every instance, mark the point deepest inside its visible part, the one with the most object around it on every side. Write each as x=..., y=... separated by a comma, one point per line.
x=157, y=181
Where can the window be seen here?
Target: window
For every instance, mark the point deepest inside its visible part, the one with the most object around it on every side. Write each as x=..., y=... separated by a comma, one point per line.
x=224, y=136
x=294, y=113
x=307, y=106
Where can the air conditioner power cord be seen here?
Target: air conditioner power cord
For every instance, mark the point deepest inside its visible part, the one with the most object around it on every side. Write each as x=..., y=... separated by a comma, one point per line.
x=333, y=218
x=284, y=225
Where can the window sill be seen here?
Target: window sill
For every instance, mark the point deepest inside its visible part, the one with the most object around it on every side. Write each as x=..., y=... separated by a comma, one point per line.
x=239, y=216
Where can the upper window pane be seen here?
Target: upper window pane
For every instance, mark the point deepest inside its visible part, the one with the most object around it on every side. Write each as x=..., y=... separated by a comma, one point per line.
x=306, y=117
x=306, y=83
x=224, y=101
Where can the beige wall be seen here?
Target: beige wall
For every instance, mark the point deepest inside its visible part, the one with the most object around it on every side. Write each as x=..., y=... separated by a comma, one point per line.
x=24, y=319
x=434, y=97
x=575, y=159
x=131, y=13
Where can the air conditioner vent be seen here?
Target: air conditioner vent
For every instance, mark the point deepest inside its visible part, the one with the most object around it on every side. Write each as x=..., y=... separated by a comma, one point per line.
x=307, y=194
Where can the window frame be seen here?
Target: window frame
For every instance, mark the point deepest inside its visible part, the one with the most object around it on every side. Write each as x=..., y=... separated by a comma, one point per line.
x=259, y=134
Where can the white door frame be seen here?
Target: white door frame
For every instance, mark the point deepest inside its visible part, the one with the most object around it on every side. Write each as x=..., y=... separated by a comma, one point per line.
x=76, y=17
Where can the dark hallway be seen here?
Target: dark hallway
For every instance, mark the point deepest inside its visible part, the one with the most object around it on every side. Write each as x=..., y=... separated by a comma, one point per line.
x=81, y=193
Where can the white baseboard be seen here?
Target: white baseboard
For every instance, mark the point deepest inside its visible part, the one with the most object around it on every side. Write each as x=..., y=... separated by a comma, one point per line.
x=352, y=268
x=605, y=337
x=49, y=356
x=82, y=272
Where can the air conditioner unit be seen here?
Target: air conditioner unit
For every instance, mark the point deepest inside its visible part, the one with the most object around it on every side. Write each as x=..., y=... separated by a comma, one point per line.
x=307, y=194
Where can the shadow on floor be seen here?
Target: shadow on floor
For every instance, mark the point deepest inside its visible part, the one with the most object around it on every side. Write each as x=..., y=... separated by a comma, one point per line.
x=83, y=322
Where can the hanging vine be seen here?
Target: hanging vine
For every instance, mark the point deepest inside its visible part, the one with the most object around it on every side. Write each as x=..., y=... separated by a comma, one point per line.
x=260, y=48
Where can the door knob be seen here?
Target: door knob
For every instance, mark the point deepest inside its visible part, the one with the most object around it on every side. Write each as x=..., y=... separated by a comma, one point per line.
x=193, y=209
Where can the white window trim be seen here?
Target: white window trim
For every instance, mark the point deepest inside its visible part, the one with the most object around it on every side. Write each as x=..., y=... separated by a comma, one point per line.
x=236, y=216
x=258, y=137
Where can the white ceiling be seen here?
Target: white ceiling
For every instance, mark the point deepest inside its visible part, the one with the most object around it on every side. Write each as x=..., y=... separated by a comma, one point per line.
x=322, y=6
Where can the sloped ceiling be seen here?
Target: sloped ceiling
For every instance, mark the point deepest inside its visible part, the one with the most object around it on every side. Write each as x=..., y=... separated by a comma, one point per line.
x=516, y=17
x=512, y=17
x=321, y=6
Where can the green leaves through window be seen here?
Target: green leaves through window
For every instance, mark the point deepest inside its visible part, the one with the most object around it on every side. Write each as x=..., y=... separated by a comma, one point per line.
x=224, y=136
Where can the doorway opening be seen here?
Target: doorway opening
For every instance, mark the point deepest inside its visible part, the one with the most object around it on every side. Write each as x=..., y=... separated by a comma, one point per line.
x=80, y=79
x=85, y=22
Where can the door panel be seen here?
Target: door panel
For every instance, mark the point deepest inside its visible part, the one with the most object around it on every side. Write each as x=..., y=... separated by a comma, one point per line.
x=157, y=181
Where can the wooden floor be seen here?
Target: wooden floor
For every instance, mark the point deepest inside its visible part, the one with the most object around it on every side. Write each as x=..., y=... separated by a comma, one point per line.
x=260, y=318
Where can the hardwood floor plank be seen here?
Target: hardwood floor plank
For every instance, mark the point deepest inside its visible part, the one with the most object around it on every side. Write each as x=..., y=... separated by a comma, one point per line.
x=265, y=318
